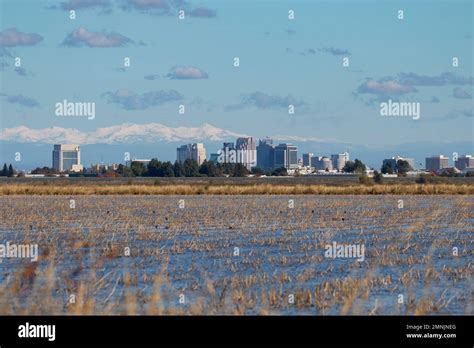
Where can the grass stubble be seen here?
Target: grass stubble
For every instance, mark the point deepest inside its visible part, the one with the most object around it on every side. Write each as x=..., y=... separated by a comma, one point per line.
x=232, y=189
x=190, y=252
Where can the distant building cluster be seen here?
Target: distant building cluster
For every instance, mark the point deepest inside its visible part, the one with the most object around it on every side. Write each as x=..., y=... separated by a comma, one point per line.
x=440, y=164
x=268, y=157
x=265, y=155
x=335, y=163
x=463, y=162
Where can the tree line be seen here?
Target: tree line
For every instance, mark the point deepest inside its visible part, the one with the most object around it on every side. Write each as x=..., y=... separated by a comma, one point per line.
x=191, y=168
x=7, y=171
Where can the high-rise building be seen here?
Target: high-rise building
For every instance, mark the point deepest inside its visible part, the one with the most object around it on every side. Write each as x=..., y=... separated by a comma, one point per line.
x=316, y=162
x=246, y=152
x=339, y=160
x=67, y=157
x=194, y=151
x=466, y=161
x=436, y=163
x=307, y=159
x=286, y=155
x=199, y=153
x=183, y=153
x=227, y=154
x=266, y=154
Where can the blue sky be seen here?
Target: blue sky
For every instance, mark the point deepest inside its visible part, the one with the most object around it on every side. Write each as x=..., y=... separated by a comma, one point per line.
x=282, y=61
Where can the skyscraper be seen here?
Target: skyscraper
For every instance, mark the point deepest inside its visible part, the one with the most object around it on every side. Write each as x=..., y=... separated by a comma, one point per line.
x=67, y=157
x=227, y=154
x=316, y=162
x=307, y=159
x=286, y=155
x=436, y=163
x=194, y=151
x=466, y=161
x=247, y=152
x=266, y=154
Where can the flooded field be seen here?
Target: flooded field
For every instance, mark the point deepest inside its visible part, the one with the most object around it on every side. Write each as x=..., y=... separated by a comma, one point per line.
x=309, y=255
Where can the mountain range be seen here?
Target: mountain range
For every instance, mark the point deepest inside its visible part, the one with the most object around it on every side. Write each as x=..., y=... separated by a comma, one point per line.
x=155, y=140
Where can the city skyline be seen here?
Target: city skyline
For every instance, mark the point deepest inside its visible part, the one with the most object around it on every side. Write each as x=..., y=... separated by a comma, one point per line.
x=67, y=158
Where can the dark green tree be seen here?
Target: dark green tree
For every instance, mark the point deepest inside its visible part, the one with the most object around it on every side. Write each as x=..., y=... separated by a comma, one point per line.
x=178, y=169
x=403, y=167
x=204, y=168
x=226, y=168
x=209, y=168
x=167, y=169
x=258, y=171
x=4, y=171
x=355, y=166
x=124, y=171
x=11, y=171
x=214, y=170
x=378, y=177
x=138, y=168
x=280, y=172
x=154, y=168
x=387, y=168
x=191, y=168
x=240, y=170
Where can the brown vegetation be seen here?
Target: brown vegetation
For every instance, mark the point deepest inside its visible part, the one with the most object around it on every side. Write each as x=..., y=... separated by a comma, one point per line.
x=216, y=189
x=189, y=251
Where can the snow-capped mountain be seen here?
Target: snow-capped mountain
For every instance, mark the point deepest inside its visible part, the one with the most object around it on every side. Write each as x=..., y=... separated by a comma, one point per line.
x=126, y=133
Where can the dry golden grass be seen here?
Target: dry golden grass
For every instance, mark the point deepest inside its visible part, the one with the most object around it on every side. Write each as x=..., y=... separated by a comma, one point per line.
x=189, y=251
x=258, y=189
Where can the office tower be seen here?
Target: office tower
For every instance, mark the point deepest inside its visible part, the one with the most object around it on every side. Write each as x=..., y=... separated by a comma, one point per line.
x=198, y=153
x=265, y=154
x=246, y=152
x=227, y=154
x=307, y=159
x=436, y=163
x=66, y=157
x=338, y=161
x=194, y=151
x=316, y=162
x=466, y=161
x=286, y=155
x=183, y=153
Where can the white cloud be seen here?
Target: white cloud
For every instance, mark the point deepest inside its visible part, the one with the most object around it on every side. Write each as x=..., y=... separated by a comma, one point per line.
x=186, y=73
x=384, y=87
x=81, y=36
x=12, y=37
